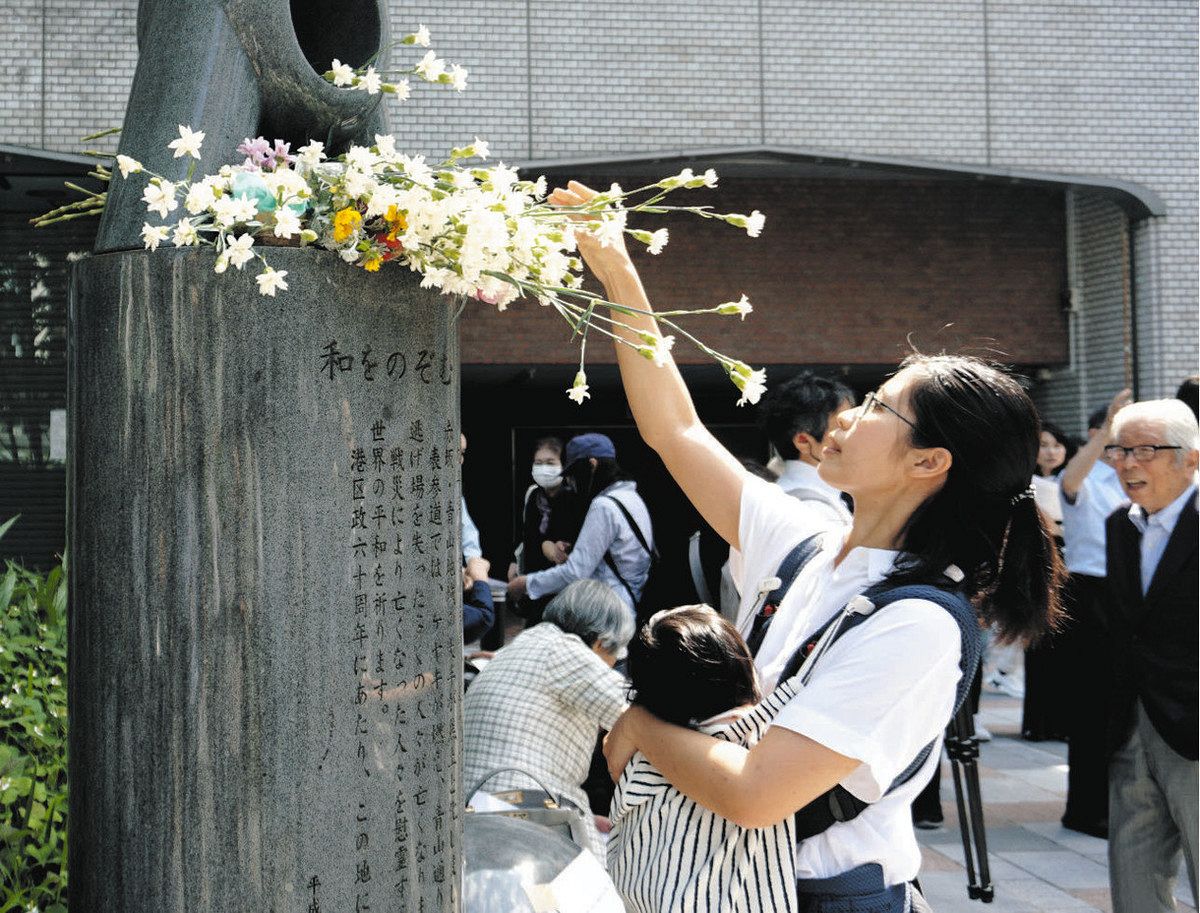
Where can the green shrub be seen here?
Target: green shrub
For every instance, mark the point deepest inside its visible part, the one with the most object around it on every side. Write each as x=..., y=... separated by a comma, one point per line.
x=33, y=739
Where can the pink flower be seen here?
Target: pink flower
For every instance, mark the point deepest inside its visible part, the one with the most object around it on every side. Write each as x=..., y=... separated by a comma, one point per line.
x=281, y=154
x=258, y=152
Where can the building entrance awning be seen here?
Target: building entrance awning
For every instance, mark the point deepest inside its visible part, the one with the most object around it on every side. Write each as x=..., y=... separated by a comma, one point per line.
x=31, y=180
x=784, y=162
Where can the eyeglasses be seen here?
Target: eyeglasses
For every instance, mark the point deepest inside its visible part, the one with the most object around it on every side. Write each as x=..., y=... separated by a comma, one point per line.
x=1143, y=453
x=871, y=400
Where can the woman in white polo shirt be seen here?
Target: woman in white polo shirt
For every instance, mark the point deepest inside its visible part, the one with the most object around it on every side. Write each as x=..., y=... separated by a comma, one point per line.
x=938, y=462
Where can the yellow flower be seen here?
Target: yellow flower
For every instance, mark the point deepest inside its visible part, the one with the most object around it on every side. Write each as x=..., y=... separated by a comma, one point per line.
x=372, y=265
x=345, y=223
x=396, y=222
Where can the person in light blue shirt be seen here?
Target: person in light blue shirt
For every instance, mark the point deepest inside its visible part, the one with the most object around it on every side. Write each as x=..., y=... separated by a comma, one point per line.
x=607, y=548
x=1089, y=491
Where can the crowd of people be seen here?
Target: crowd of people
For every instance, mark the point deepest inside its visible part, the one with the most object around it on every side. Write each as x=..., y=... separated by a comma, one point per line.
x=774, y=751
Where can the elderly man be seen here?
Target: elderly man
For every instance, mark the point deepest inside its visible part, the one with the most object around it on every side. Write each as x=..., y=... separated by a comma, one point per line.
x=1153, y=605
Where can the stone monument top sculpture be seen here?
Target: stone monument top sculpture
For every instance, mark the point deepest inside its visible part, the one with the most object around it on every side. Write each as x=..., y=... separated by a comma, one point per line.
x=241, y=68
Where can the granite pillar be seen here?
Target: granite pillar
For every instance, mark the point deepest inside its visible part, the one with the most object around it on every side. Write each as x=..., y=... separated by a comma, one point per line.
x=265, y=687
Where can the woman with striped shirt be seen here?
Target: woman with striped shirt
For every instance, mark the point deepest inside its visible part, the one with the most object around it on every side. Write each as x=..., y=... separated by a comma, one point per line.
x=938, y=462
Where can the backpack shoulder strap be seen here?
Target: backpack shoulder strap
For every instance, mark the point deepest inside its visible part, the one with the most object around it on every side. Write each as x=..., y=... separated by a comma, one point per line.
x=961, y=610
x=612, y=566
x=768, y=604
x=637, y=531
x=839, y=804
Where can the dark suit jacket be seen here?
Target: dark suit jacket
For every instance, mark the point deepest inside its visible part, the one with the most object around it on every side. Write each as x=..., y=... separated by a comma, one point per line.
x=1155, y=636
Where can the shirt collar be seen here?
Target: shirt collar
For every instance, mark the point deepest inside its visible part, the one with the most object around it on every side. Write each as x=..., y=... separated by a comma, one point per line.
x=1165, y=518
x=879, y=561
x=798, y=473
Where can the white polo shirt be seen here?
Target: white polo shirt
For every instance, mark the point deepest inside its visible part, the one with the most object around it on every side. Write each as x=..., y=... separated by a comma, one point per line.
x=880, y=694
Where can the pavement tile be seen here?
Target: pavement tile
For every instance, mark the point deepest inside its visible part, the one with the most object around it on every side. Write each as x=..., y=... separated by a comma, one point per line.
x=1015, y=838
x=934, y=861
x=1097, y=897
x=1044, y=897
x=947, y=893
x=999, y=869
x=1072, y=840
x=1183, y=889
x=999, y=814
x=1006, y=788
x=1037, y=866
x=1060, y=868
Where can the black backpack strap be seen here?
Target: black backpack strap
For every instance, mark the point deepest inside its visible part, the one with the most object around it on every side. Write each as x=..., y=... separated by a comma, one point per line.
x=839, y=804
x=612, y=566
x=789, y=569
x=637, y=532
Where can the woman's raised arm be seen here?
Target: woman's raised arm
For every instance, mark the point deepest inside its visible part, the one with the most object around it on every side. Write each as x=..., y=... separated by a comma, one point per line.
x=662, y=407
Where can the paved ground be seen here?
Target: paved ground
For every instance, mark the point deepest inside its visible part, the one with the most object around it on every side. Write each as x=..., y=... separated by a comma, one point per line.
x=1037, y=865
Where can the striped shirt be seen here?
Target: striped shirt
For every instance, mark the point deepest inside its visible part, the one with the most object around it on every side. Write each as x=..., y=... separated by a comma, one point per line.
x=668, y=854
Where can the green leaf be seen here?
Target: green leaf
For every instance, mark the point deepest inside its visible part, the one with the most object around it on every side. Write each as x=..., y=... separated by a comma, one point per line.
x=58, y=606
x=4, y=527
x=7, y=585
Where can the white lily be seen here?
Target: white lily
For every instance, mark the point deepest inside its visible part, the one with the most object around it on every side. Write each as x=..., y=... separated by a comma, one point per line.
x=343, y=73
x=159, y=197
x=270, y=280
x=578, y=391
x=153, y=235
x=741, y=307
x=188, y=143
x=128, y=166
x=239, y=249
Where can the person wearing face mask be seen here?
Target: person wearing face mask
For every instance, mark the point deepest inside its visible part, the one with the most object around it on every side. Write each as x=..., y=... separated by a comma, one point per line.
x=549, y=523
x=608, y=548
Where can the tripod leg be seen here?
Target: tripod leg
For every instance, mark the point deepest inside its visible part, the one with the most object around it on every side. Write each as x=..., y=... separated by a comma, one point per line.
x=964, y=824
x=975, y=798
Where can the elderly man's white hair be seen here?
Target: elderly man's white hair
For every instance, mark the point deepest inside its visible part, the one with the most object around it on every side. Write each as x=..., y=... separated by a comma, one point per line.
x=1177, y=421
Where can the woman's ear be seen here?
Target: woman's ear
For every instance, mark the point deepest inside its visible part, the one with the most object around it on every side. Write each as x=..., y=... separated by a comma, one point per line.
x=931, y=463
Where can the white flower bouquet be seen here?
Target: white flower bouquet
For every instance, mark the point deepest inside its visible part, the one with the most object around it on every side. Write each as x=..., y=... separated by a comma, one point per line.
x=470, y=230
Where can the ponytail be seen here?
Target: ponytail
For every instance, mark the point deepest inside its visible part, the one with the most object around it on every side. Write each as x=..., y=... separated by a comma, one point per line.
x=1025, y=602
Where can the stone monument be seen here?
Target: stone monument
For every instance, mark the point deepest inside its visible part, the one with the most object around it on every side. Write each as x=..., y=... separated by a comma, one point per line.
x=265, y=688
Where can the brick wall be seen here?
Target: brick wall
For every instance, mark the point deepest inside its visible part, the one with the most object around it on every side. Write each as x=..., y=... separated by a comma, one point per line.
x=843, y=273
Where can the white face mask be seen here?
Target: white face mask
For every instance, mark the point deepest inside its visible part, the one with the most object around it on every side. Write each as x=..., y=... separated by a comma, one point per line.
x=547, y=476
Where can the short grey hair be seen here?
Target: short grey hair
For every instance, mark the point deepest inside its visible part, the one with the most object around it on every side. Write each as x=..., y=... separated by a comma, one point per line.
x=593, y=612
x=1178, y=422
